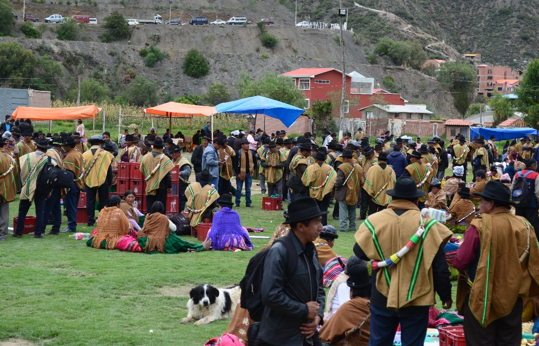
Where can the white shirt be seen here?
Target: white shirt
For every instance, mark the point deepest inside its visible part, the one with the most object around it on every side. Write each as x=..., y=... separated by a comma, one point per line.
x=327, y=141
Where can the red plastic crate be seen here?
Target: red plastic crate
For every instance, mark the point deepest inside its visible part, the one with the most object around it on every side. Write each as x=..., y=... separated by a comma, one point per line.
x=114, y=194
x=136, y=186
x=123, y=170
x=452, y=336
x=175, y=174
x=173, y=205
x=29, y=224
x=134, y=171
x=202, y=231
x=269, y=203
x=82, y=201
x=82, y=216
x=174, y=190
x=122, y=185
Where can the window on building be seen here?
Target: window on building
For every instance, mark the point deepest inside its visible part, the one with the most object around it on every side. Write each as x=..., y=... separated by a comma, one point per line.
x=489, y=71
x=489, y=77
x=409, y=116
x=370, y=115
x=453, y=132
x=360, y=88
x=489, y=83
x=321, y=81
x=304, y=84
x=500, y=88
x=307, y=104
x=346, y=106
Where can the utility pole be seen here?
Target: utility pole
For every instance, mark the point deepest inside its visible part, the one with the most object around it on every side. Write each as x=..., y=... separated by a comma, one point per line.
x=343, y=92
x=296, y=16
x=23, y=10
x=78, y=94
x=169, y=12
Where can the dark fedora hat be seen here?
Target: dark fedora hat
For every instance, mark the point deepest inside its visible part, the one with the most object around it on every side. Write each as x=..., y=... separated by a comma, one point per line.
x=305, y=146
x=174, y=149
x=303, y=209
x=225, y=200
x=207, y=138
x=272, y=145
x=145, y=145
x=347, y=154
x=406, y=188
x=358, y=277
x=287, y=141
x=320, y=156
x=415, y=154
x=496, y=191
x=368, y=151
x=76, y=135
x=329, y=232
x=43, y=144
x=464, y=192
x=68, y=141
x=204, y=175
x=27, y=133
x=382, y=156
x=129, y=138
x=158, y=143
x=423, y=149
x=244, y=141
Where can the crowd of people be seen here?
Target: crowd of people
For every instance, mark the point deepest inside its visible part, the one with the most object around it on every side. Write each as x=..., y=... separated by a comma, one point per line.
x=409, y=208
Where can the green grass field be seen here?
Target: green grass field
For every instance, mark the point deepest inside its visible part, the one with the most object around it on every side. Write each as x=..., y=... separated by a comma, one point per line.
x=58, y=291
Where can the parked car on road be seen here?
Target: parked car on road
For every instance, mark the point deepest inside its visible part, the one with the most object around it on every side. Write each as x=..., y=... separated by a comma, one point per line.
x=132, y=22
x=303, y=24
x=55, y=18
x=157, y=19
x=199, y=21
x=93, y=21
x=266, y=21
x=81, y=18
x=218, y=22
x=175, y=21
x=237, y=21
x=30, y=17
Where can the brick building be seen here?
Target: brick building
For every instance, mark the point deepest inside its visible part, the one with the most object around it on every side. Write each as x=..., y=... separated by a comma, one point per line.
x=499, y=79
x=455, y=127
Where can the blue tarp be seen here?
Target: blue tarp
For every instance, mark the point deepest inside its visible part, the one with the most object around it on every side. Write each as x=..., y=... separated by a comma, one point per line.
x=502, y=134
x=262, y=105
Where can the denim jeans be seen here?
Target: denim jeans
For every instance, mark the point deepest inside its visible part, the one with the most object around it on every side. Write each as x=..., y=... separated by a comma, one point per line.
x=71, y=202
x=215, y=182
x=239, y=187
x=384, y=324
x=53, y=205
x=347, y=216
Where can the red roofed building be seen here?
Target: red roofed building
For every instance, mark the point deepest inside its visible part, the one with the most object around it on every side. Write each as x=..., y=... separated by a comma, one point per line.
x=320, y=84
x=512, y=123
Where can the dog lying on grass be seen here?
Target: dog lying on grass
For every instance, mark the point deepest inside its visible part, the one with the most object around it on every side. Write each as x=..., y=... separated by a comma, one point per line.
x=207, y=304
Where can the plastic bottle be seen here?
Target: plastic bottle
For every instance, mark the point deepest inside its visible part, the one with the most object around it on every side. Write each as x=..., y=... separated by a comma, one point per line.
x=80, y=236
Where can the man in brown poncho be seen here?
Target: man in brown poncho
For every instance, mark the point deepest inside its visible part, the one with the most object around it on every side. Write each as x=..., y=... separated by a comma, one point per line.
x=156, y=167
x=226, y=153
x=436, y=198
x=319, y=179
x=421, y=174
x=462, y=210
x=347, y=188
x=8, y=189
x=200, y=200
x=499, y=267
x=379, y=180
x=273, y=163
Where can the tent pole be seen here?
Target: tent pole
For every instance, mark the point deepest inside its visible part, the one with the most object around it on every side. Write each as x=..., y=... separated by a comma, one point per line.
x=50, y=126
x=119, y=123
x=211, y=134
x=264, y=122
x=94, y=126
x=256, y=113
x=170, y=125
x=104, y=111
x=190, y=129
x=142, y=126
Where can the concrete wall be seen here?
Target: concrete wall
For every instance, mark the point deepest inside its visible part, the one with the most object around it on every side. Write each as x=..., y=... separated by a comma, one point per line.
x=428, y=128
x=10, y=99
x=39, y=98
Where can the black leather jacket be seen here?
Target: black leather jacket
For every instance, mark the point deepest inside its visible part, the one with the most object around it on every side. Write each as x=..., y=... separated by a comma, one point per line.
x=285, y=297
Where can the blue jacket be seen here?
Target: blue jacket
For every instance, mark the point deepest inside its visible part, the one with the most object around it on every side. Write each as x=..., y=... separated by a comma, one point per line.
x=210, y=161
x=398, y=162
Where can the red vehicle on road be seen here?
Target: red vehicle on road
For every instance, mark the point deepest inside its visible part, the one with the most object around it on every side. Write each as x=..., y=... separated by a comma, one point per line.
x=81, y=18
x=30, y=17
x=266, y=21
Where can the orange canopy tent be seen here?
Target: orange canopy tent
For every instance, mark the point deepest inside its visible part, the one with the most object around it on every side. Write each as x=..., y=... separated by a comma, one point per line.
x=44, y=114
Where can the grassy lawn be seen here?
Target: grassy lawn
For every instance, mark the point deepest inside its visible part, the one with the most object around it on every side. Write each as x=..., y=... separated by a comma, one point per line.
x=58, y=291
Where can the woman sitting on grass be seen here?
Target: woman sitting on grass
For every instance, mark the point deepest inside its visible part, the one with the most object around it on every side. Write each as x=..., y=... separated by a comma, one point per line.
x=157, y=234
x=226, y=232
x=130, y=210
x=112, y=224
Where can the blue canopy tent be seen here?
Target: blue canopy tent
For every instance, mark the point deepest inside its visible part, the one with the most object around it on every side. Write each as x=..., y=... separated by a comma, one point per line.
x=286, y=113
x=502, y=134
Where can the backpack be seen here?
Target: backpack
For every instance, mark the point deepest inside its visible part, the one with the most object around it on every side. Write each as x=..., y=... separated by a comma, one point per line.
x=45, y=178
x=225, y=340
x=521, y=194
x=64, y=178
x=251, y=290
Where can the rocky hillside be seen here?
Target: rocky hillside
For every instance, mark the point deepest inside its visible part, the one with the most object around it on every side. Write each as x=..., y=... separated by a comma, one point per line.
x=229, y=49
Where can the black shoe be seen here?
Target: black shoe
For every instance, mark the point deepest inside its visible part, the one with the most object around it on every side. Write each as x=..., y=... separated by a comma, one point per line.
x=237, y=205
x=335, y=218
x=249, y=206
x=90, y=224
x=67, y=230
x=53, y=233
x=362, y=217
x=15, y=235
x=40, y=235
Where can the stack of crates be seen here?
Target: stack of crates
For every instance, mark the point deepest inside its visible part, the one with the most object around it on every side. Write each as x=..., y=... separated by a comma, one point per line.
x=130, y=178
x=173, y=199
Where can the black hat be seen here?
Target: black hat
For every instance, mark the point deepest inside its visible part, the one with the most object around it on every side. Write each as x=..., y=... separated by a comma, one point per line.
x=280, y=141
x=523, y=139
x=43, y=144
x=423, y=149
x=174, y=149
x=145, y=145
x=300, y=139
x=464, y=192
x=368, y=151
x=415, y=154
x=68, y=141
x=379, y=147
x=496, y=191
x=332, y=145
x=492, y=137
x=204, y=175
x=129, y=138
x=27, y=133
x=108, y=147
x=406, y=188
x=329, y=232
x=347, y=154
x=305, y=146
x=359, y=278
x=56, y=140
x=303, y=209
x=76, y=135
x=432, y=150
x=225, y=200
x=220, y=141
x=169, y=140
x=399, y=140
x=150, y=137
x=158, y=142
x=244, y=141
x=481, y=141
x=320, y=156
x=382, y=156
x=287, y=141
x=272, y=145
x=266, y=140
x=207, y=138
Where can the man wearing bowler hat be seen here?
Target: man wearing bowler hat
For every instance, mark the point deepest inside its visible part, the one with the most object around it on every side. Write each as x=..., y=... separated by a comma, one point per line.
x=319, y=178
x=53, y=201
x=369, y=160
x=8, y=187
x=131, y=152
x=421, y=173
x=298, y=165
x=79, y=145
x=408, y=269
x=244, y=168
x=347, y=186
x=156, y=167
x=499, y=267
x=294, y=302
x=380, y=179
x=31, y=165
x=73, y=162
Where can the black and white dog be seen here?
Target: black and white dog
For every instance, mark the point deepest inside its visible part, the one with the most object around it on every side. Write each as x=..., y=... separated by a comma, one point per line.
x=208, y=303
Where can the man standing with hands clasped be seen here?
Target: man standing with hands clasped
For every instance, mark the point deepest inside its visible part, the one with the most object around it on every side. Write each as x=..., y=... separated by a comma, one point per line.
x=294, y=304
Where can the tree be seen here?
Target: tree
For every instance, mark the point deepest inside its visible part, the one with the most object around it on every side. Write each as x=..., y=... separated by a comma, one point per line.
x=29, y=31
x=141, y=92
x=528, y=94
x=68, y=29
x=116, y=26
x=16, y=64
x=269, y=41
x=6, y=17
x=503, y=108
x=153, y=56
x=417, y=55
x=189, y=99
x=400, y=52
x=217, y=93
x=93, y=91
x=195, y=64
x=321, y=112
x=460, y=79
x=47, y=75
x=274, y=86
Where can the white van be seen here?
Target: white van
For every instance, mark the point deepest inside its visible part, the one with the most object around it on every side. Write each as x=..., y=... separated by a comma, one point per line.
x=93, y=21
x=237, y=21
x=132, y=22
